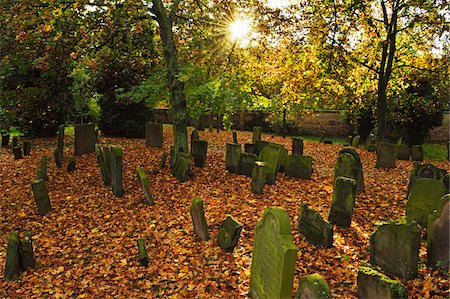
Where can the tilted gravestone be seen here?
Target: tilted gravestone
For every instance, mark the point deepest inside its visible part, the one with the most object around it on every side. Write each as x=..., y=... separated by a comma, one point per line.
x=297, y=146
x=247, y=163
x=313, y=286
x=299, y=167
x=142, y=253
x=271, y=155
x=198, y=219
x=41, y=172
x=5, y=140
x=145, y=184
x=233, y=157
x=85, y=139
x=386, y=155
x=249, y=148
x=153, y=134
x=229, y=233
x=343, y=201
x=257, y=131
x=258, y=177
x=71, y=164
x=316, y=230
x=59, y=150
x=12, y=265
x=359, y=168
x=395, y=248
x=373, y=284
x=424, y=198
x=41, y=197
x=417, y=152
x=26, y=252
x=438, y=236
x=116, y=170
x=403, y=152
x=274, y=256
x=421, y=171
x=103, y=163
x=17, y=152
x=26, y=147
x=182, y=168
x=199, y=151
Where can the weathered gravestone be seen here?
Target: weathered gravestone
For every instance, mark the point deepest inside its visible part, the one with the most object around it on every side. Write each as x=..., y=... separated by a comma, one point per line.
x=182, y=168
x=421, y=171
x=274, y=256
x=235, y=140
x=271, y=155
x=297, y=146
x=359, y=169
x=41, y=172
x=26, y=148
x=26, y=252
x=424, y=198
x=229, y=233
x=142, y=253
x=343, y=201
x=85, y=139
x=376, y=285
x=17, y=152
x=355, y=141
x=59, y=150
x=346, y=166
x=249, y=148
x=199, y=151
x=232, y=157
x=386, y=155
x=194, y=136
x=12, y=265
x=71, y=164
x=247, y=163
x=299, y=167
x=145, y=184
x=257, y=131
x=5, y=140
x=153, y=134
x=116, y=170
x=198, y=219
x=438, y=236
x=313, y=286
x=41, y=197
x=316, y=230
x=101, y=153
x=258, y=177
x=417, y=152
x=371, y=143
x=395, y=248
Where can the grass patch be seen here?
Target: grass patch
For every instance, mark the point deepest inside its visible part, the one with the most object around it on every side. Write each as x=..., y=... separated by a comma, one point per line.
x=434, y=152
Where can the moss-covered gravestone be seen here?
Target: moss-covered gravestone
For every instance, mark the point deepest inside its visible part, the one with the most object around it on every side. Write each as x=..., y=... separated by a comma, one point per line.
x=199, y=151
x=259, y=145
x=71, y=164
x=247, y=162
x=313, y=286
x=26, y=147
x=182, y=168
x=257, y=131
x=346, y=166
x=233, y=157
x=373, y=284
x=5, y=140
x=395, y=248
x=41, y=197
x=198, y=219
x=41, y=172
x=229, y=233
x=249, y=148
x=355, y=141
x=26, y=252
x=417, y=152
x=438, y=236
x=421, y=171
x=85, y=139
x=12, y=265
x=274, y=256
x=116, y=170
x=299, y=167
x=316, y=230
x=153, y=134
x=142, y=253
x=17, y=152
x=403, y=152
x=386, y=155
x=145, y=184
x=104, y=166
x=271, y=155
x=424, y=198
x=59, y=150
x=297, y=146
x=359, y=168
x=343, y=201
x=258, y=177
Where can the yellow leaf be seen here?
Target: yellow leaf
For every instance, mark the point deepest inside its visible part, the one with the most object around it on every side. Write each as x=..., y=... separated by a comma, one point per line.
x=123, y=262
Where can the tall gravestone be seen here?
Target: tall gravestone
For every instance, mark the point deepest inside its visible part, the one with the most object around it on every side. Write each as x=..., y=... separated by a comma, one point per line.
x=41, y=197
x=153, y=134
x=373, y=284
x=297, y=146
x=229, y=233
x=59, y=151
x=85, y=139
x=358, y=170
x=343, y=201
x=12, y=265
x=116, y=170
x=198, y=219
x=145, y=184
x=386, y=155
x=438, y=236
x=313, y=286
x=274, y=256
x=42, y=170
x=345, y=166
x=233, y=157
x=199, y=151
x=103, y=163
x=316, y=230
x=258, y=177
x=194, y=136
x=257, y=132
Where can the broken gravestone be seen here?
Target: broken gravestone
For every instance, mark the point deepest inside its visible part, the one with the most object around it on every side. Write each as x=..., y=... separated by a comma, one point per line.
x=313, y=286
x=274, y=256
x=229, y=233
x=59, y=150
x=299, y=167
x=41, y=197
x=142, y=253
x=417, y=152
x=359, y=168
x=395, y=248
x=199, y=151
x=316, y=230
x=343, y=201
x=198, y=219
x=438, y=236
x=153, y=134
x=373, y=284
x=145, y=184
x=386, y=155
x=297, y=146
x=258, y=177
x=85, y=139
x=247, y=163
x=233, y=157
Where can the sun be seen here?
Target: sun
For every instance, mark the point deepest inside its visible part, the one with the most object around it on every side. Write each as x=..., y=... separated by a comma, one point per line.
x=240, y=29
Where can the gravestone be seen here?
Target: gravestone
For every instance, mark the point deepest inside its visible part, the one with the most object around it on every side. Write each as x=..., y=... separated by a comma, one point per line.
x=153, y=134
x=346, y=166
x=316, y=230
x=42, y=170
x=233, y=157
x=145, y=184
x=41, y=197
x=257, y=132
x=194, y=136
x=417, y=152
x=199, y=151
x=15, y=141
x=258, y=177
x=5, y=140
x=71, y=164
x=12, y=265
x=274, y=256
x=162, y=162
x=428, y=171
x=85, y=139
x=395, y=248
x=26, y=148
x=247, y=163
x=373, y=284
x=26, y=252
x=259, y=145
x=198, y=219
x=142, y=253
x=104, y=166
x=59, y=150
x=359, y=168
x=355, y=141
x=17, y=152
x=299, y=167
x=438, y=234
x=343, y=201
x=229, y=233
x=271, y=155
x=172, y=157
x=313, y=286
x=116, y=170
x=182, y=167
x=371, y=143
x=403, y=152
x=235, y=140
x=249, y=148
x=297, y=146
x=386, y=155
x=424, y=198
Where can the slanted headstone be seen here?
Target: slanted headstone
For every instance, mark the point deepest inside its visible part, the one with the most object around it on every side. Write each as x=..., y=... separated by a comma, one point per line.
x=26, y=252
x=258, y=177
x=198, y=219
x=386, y=155
x=235, y=140
x=182, y=167
x=271, y=154
x=297, y=146
x=403, y=152
x=233, y=157
x=145, y=184
x=71, y=164
x=194, y=136
x=373, y=284
x=142, y=253
x=85, y=139
x=104, y=167
x=395, y=248
x=116, y=170
x=199, y=151
x=162, y=162
x=17, y=152
x=59, y=150
x=438, y=236
x=257, y=131
x=316, y=230
x=247, y=163
x=41, y=197
x=424, y=198
x=12, y=265
x=428, y=171
x=26, y=148
x=355, y=141
x=359, y=168
x=274, y=256
x=299, y=167
x=229, y=233
x=343, y=201
x=153, y=134
x=417, y=152
x=5, y=140
x=42, y=170
x=249, y=148
x=313, y=286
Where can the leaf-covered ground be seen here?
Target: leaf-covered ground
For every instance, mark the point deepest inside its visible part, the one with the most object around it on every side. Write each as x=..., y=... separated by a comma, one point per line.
x=86, y=247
